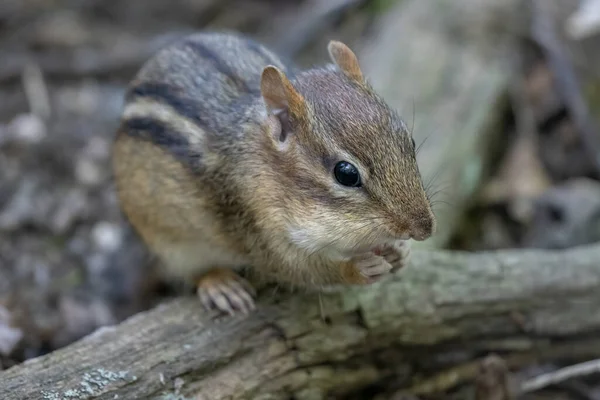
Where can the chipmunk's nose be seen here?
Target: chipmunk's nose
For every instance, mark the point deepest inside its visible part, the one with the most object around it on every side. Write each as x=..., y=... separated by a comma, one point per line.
x=423, y=226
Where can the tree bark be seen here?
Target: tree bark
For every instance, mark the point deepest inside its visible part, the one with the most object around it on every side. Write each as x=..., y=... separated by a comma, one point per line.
x=330, y=344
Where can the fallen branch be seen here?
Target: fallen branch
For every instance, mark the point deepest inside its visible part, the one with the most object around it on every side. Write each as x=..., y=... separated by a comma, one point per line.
x=563, y=374
x=493, y=380
x=444, y=301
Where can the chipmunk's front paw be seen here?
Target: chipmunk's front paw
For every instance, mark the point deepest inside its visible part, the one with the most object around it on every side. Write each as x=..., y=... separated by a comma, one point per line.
x=372, y=267
x=398, y=254
x=226, y=291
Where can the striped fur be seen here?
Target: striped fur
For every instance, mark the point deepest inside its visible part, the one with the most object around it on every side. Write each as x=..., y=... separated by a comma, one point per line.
x=204, y=180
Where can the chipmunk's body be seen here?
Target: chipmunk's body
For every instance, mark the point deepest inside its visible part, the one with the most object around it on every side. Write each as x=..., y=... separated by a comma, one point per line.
x=227, y=158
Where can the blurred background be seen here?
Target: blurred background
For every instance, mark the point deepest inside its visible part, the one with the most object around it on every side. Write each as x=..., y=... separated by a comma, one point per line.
x=502, y=96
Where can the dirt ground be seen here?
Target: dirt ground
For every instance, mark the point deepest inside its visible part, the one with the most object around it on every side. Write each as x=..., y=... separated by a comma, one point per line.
x=69, y=263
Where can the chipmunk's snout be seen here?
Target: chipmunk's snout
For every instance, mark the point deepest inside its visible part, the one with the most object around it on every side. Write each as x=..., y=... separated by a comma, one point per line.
x=422, y=226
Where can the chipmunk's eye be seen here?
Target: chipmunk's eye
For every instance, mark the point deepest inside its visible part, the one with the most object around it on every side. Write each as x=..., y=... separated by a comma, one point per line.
x=347, y=174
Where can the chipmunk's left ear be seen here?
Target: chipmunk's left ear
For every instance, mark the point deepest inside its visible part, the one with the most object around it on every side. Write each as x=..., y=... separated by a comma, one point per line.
x=345, y=59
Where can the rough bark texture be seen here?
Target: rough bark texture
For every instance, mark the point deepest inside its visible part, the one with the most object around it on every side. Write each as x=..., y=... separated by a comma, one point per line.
x=448, y=62
x=335, y=343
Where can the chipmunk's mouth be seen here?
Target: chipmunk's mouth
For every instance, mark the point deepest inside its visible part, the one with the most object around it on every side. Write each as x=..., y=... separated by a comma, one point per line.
x=375, y=248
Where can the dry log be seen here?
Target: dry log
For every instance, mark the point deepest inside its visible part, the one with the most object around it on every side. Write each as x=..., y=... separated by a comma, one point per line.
x=337, y=343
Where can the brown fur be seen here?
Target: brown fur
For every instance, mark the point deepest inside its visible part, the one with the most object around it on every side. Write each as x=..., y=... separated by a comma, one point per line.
x=205, y=178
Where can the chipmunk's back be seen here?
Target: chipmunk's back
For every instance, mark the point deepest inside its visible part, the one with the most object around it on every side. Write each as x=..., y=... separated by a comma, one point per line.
x=210, y=78
x=185, y=113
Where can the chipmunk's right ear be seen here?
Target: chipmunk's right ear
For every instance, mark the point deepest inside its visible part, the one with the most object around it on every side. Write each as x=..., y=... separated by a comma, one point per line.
x=281, y=98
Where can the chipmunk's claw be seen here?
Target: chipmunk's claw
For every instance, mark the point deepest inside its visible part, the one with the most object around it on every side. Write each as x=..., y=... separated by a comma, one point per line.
x=372, y=266
x=397, y=254
x=224, y=290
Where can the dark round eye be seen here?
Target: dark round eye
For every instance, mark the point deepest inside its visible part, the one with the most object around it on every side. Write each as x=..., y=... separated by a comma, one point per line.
x=347, y=174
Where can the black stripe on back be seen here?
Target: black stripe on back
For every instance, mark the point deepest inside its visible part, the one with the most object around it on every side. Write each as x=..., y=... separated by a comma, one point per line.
x=219, y=64
x=156, y=132
x=170, y=95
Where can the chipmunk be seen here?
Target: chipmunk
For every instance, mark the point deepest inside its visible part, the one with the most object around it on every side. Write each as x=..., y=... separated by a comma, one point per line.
x=226, y=157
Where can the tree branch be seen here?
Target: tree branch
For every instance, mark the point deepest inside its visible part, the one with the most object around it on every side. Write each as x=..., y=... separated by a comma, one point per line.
x=286, y=347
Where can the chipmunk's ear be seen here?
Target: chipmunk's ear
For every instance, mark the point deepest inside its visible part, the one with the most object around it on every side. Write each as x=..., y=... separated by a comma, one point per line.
x=282, y=100
x=278, y=91
x=345, y=59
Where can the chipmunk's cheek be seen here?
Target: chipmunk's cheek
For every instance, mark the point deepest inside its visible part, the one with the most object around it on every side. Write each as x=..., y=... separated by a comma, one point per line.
x=302, y=238
x=314, y=240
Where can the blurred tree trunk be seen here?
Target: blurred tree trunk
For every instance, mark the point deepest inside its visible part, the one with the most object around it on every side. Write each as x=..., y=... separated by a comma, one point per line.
x=445, y=66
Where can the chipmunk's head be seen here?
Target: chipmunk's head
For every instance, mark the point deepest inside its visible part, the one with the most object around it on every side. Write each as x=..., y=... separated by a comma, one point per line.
x=347, y=158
